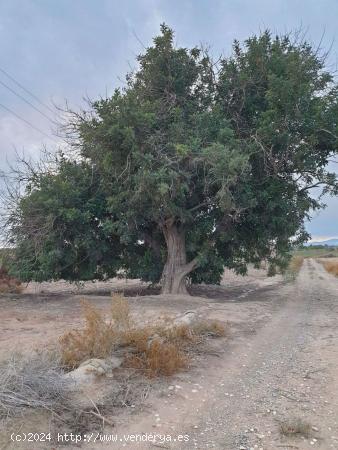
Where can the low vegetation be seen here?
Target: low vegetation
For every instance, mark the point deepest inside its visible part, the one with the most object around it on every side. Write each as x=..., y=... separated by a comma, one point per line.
x=331, y=267
x=37, y=383
x=159, y=349
x=317, y=251
x=40, y=381
x=34, y=382
x=294, y=267
x=8, y=284
x=159, y=358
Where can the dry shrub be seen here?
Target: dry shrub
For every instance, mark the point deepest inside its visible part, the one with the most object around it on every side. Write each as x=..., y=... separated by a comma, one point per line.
x=211, y=328
x=180, y=335
x=155, y=351
x=8, y=284
x=159, y=349
x=159, y=359
x=164, y=359
x=295, y=427
x=96, y=340
x=188, y=336
x=163, y=350
x=120, y=312
x=99, y=337
x=331, y=267
x=137, y=338
x=294, y=267
x=35, y=381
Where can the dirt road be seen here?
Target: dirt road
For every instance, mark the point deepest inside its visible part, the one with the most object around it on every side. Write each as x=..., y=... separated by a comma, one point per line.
x=289, y=370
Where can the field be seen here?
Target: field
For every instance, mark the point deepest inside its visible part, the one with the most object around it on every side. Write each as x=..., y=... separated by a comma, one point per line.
x=269, y=378
x=317, y=252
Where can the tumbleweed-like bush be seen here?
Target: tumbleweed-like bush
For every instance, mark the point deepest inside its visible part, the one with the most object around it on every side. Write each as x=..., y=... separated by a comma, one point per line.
x=35, y=381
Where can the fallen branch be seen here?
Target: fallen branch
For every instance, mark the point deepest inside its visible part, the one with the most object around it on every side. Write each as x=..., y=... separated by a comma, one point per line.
x=98, y=414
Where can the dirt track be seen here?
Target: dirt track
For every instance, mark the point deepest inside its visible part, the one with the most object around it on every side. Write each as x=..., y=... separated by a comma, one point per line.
x=281, y=363
x=288, y=370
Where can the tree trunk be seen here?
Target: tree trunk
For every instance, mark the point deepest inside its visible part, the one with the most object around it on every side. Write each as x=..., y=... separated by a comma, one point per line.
x=176, y=269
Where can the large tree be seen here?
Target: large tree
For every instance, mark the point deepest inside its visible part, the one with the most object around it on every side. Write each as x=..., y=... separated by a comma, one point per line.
x=191, y=167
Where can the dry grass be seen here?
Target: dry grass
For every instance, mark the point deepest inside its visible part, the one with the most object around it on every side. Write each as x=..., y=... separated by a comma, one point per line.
x=36, y=383
x=156, y=350
x=159, y=359
x=163, y=350
x=294, y=267
x=331, y=267
x=8, y=284
x=120, y=312
x=211, y=328
x=96, y=340
x=295, y=427
x=31, y=382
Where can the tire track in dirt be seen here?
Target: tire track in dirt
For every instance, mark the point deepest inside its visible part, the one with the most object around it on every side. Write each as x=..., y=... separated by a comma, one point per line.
x=288, y=370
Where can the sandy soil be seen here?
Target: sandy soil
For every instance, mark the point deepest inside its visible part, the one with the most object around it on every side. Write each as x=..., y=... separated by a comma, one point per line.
x=280, y=361
x=26, y=319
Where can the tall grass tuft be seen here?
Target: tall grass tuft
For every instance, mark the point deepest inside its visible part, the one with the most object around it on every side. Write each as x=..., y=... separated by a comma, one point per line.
x=293, y=268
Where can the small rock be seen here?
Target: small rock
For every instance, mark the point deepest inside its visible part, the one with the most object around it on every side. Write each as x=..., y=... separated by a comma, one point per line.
x=92, y=368
x=186, y=319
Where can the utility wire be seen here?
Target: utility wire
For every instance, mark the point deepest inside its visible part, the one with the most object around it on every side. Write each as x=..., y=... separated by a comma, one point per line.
x=27, y=101
x=27, y=123
x=26, y=90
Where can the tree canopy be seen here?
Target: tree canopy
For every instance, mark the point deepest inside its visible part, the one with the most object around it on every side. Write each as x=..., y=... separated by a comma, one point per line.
x=193, y=166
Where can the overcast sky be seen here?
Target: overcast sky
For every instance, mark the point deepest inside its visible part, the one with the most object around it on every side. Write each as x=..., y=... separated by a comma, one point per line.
x=67, y=49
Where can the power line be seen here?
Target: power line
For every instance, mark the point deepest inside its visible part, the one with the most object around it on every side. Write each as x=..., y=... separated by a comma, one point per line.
x=27, y=101
x=26, y=122
x=26, y=90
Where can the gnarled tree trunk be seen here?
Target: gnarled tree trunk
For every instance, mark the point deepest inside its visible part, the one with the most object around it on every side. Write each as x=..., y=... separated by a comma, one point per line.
x=176, y=269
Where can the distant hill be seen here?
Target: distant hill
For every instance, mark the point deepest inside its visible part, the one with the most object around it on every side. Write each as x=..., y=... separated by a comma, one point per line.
x=328, y=243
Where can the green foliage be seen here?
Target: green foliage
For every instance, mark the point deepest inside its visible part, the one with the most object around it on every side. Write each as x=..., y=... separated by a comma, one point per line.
x=60, y=230
x=229, y=157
